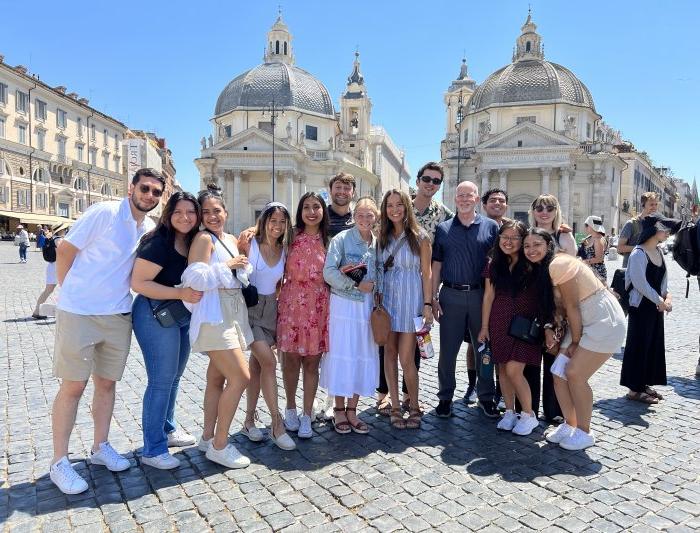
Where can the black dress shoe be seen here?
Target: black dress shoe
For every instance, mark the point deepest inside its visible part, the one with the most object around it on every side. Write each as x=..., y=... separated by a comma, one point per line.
x=489, y=409
x=444, y=409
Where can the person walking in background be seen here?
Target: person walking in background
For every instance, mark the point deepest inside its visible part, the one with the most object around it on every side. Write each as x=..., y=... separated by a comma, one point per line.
x=406, y=294
x=51, y=242
x=459, y=257
x=219, y=326
x=160, y=261
x=644, y=361
x=631, y=231
x=593, y=247
x=93, y=319
x=350, y=369
x=22, y=239
x=596, y=329
x=266, y=252
x=510, y=293
x=302, y=310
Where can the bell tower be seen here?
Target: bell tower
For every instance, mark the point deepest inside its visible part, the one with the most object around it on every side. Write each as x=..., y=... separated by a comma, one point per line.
x=279, y=43
x=355, y=113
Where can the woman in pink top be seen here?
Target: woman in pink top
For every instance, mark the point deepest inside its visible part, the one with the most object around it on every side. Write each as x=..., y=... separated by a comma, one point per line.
x=302, y=310
x=596, y=329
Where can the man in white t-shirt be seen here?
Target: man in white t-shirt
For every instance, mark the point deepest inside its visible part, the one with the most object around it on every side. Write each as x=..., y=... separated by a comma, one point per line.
x=93, y=319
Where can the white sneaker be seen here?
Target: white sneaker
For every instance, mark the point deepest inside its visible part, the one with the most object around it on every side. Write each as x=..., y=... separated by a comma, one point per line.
x=283, y=442
x=501, y=405
x=253, y=433
x=561, y=432
x=291, y=420
x=203, y=444
x=507, y=423
x=180, y=438
x=578, y=440
x=305, y=431
x=108, y=456
x=229, y=456
x=526, y=424
x=164, y=461
x=66, y=478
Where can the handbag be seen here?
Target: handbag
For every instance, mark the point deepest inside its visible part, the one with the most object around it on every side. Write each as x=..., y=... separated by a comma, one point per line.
x=528, y=330
x=169, y=312
x=250, y=291
x=380, y=321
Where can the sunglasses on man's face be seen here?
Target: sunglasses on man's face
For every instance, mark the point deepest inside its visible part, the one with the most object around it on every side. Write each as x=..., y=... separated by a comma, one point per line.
x=548, y=208
x=155, y=191
x=428, y=179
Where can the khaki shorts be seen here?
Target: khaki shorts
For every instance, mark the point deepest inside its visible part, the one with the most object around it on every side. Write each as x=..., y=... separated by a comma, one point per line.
x=231, y=334
x=263, y=319
x=87, y=344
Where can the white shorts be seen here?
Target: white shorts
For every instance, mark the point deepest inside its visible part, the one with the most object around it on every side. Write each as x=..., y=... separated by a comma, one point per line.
x=51, y=274
x=604, y=324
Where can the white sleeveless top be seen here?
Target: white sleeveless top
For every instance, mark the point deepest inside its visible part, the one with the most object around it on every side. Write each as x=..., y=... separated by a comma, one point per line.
x=220, y=255
x=264, y=277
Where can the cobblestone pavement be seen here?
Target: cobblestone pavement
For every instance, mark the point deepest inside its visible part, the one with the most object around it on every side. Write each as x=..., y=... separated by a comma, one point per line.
x=456, y=474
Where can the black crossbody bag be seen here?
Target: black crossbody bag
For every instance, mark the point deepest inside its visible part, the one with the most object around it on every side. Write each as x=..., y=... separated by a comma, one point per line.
x=526, y=329
x=250, y=291
x=169, y=312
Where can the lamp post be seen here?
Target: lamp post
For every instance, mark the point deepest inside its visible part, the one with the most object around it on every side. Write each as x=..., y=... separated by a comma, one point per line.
x=274, y=111
x=458, y=127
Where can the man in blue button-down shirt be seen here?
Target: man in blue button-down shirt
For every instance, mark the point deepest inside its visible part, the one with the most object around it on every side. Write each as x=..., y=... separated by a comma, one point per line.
x=459, y=257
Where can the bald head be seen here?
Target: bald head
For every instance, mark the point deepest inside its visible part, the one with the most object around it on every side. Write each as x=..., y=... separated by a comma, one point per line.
x=467, y=195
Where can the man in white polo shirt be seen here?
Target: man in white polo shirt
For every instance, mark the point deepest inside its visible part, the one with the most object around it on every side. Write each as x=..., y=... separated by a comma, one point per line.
x=93, y=319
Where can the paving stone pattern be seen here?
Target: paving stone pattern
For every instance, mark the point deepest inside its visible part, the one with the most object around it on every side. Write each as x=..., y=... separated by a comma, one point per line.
x=452, y=475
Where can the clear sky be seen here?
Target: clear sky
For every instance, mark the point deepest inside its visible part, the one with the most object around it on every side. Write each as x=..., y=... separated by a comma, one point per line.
x=160, y=66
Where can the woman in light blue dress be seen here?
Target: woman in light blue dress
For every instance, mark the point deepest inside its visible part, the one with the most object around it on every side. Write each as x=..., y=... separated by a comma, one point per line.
x=406, y=255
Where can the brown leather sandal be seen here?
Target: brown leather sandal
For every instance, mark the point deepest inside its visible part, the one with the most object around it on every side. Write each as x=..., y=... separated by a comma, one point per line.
x=341, y=427
x=414, y=419
x=360, y=427
x=397, y=421
x=384, y=407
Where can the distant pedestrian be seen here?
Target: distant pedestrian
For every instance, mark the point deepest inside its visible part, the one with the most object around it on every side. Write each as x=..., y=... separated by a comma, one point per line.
x=22, y=239
x=93, y=319
x=593, y=247
x=51, y=242
x=631, y=231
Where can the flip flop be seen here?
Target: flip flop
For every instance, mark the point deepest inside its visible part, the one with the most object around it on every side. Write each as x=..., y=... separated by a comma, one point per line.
x=642, y=397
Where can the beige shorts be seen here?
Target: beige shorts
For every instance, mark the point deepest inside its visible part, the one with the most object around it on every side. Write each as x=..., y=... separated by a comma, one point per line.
x=263, y=319
x=233, y=333
x=87, y=344
x=604, y=324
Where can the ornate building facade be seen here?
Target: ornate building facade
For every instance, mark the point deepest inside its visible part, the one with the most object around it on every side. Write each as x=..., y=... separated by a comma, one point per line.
x=531, y=128
x=58, y=155
x=276, y=134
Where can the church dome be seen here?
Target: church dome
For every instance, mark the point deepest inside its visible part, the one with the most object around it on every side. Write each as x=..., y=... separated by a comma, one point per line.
x=530, y=79
x=287, y=85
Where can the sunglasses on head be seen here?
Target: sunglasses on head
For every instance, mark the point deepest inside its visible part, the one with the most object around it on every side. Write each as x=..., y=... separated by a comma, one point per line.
x=155, y=191
x=428, y=179
x=548, y=208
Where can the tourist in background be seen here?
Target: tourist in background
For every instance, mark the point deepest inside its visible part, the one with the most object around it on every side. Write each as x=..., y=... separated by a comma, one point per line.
x=160, y=261
x=302, y=310
x=266, y=253
x=632, y=230
x=644, y=362
x=350, y=369
x=219, y=326
x=593, y=247
x=22, y=240
x=51, y=241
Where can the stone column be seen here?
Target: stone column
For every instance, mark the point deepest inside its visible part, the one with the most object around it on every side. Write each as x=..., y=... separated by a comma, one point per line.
x=484, y=175
x=546, y=171
x=236, y=204
x=565, y=193
x=502, y=179
x=289, y=178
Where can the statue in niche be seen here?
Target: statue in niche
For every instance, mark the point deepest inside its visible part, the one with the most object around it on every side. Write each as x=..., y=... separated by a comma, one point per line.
x=211, y=141
x=222, y=131
x=203, y=142
x=484, y=130
x=355, y=120
x=302, y=138
x=570, y=126
x=330, y=143
x=289, y=132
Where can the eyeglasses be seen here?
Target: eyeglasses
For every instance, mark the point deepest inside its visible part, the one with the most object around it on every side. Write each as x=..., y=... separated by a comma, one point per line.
x=549, y=208
x=155, y=191
x=428, y=179
x=508, y=238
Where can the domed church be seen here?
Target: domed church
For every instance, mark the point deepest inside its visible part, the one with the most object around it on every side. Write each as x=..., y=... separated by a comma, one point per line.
x=276, y=134
x=532, y=128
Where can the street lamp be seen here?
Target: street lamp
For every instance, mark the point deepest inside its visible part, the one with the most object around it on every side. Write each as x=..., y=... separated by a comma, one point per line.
x=274, y=111
x=458, y=127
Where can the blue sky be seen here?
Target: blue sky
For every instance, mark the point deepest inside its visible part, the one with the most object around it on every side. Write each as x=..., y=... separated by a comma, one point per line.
x=160, y=66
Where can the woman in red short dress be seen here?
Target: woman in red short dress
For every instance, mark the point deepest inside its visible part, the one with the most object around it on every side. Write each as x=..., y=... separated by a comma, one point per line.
x=302, y=310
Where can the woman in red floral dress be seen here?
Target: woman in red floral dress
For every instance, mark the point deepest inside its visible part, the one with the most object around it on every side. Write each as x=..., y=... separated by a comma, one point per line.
x=302, y=310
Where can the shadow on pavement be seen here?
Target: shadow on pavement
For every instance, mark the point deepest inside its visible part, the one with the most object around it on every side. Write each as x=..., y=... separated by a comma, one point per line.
x=686, y=387
x=626, y=411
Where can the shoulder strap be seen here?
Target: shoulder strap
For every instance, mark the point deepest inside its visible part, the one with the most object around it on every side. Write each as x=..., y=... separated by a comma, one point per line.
x=222, y=243
x=397, y=247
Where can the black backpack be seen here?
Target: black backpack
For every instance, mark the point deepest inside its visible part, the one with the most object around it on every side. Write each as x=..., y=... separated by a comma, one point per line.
x=686, y=249
x=49, y=250
x=622, y=292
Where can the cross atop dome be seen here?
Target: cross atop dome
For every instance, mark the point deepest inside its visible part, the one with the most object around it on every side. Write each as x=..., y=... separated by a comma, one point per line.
x=529, y=43
x=463, y=80
x=279, y=43
x=356, y=76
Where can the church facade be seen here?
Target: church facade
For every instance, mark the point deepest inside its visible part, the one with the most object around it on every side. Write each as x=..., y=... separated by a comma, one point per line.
x=531, y=128
x=276, y=134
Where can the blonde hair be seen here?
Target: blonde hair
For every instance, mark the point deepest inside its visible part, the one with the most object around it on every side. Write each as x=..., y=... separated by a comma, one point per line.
x=545, y=199
x=369, y=203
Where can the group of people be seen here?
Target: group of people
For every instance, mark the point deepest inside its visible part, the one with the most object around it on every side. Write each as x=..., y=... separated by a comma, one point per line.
x=303, y=290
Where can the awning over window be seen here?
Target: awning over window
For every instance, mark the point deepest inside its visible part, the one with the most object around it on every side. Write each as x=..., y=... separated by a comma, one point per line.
x=36, y=218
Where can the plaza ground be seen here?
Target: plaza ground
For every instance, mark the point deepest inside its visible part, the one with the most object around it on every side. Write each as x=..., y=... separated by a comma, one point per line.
x=452, y=475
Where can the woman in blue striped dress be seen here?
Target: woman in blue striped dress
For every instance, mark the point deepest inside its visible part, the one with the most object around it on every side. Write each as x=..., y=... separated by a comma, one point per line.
x=406, y=255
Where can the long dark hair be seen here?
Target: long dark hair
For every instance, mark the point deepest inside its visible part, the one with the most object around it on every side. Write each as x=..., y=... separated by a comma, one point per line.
x=261, y=224
x=540, y=275
x=299, y=225
x=500, y=274
x=212, y=191
x=410, y=225
x=164, y=226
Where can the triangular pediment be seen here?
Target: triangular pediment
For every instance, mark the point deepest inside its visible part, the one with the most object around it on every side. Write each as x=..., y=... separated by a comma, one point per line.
x=527, y=135
x=254, y=140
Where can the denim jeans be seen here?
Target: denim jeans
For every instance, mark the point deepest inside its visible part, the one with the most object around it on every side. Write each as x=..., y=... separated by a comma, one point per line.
x=165, y=355
x=23, y=252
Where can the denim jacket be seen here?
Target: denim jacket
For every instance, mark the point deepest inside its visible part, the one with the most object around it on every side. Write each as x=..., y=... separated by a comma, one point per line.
x=636, y=279
x=348, y=247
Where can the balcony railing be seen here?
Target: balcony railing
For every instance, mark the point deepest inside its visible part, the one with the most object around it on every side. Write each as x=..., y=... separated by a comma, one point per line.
x=319, y=155
x=63, y=159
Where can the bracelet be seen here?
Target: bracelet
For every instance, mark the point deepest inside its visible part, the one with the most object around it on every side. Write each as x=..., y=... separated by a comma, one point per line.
x=428, y=303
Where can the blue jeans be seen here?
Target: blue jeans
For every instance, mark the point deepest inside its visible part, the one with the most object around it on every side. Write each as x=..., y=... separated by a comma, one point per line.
x=165, y=355
x=23, y=252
